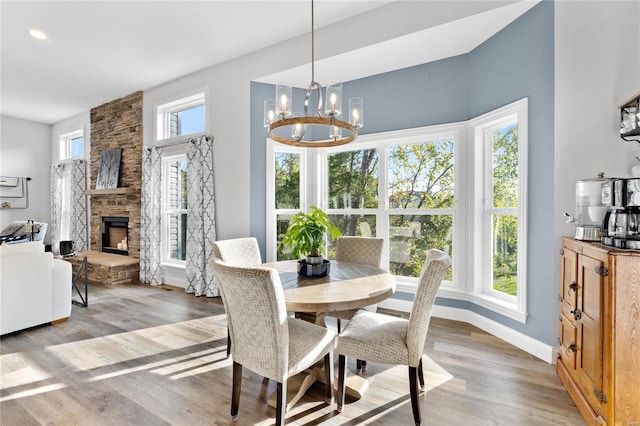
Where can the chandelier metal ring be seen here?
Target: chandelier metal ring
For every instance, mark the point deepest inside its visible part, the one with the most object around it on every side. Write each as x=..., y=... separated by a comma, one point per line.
x=322, y=121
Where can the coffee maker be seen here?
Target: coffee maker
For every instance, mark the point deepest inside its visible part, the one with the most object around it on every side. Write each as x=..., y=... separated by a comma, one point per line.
x=621, y=224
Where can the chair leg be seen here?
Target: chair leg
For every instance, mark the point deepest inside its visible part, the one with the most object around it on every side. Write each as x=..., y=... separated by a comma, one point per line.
x=361, y=366
x=342, y=373
x=421, y=376
x=235, y=392
x=228, y=343
x=338, y=324
x=281, y=402
x=413, y=387
x=328, y=379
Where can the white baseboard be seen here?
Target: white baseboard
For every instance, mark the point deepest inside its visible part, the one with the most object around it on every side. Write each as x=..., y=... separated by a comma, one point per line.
x=528, y=344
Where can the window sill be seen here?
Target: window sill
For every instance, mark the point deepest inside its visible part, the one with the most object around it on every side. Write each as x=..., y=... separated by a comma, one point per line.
x=493, y=304
x=174, y=265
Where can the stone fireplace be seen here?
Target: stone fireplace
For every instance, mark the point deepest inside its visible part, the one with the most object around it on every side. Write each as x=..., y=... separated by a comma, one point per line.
x=114, y=254
x=118, y=124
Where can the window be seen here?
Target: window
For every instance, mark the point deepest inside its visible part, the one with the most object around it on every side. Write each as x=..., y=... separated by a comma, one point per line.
x=176, y=121
x=174, y=200
x=459, y=187
x=352, y=189
x=181, y=117
x=72, y=145
x=287, y=194
x=499, y=140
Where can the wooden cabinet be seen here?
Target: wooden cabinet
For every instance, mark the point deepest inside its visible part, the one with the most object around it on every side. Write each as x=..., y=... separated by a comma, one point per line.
x=599, y=342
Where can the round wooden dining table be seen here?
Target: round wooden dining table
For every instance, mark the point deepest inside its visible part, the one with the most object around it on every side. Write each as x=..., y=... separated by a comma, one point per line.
x=347, y=286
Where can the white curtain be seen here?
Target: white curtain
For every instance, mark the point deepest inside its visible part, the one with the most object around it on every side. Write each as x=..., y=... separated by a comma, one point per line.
x=150, y=221
x=56, y=205
x=79, y=229
x=201, y=223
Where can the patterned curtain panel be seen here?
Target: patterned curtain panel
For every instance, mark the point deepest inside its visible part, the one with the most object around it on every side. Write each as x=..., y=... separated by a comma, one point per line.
x=79, y=212
x=56, y=206
x=150, y=222
x=201, y=223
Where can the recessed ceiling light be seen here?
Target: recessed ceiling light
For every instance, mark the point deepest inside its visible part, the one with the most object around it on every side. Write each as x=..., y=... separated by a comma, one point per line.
x=37, y=34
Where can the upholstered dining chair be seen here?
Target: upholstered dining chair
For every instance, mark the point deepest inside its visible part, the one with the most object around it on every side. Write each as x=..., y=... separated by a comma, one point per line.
x=238, y=252
x=364, y=250
x=391, y=340
x=264, y=338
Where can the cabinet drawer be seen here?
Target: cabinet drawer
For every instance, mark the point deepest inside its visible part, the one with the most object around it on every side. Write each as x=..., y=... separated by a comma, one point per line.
x=568, y=335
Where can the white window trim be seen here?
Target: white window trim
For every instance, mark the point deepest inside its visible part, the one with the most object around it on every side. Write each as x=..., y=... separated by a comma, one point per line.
x=382, y=142
x=195, y=97
x=480, y=289
x=273, y=213
x=469, y=274
x=65, y=145
x=165, y=260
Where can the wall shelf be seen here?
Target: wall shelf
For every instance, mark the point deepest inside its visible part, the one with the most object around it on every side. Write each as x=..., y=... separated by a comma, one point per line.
x=113, y=191
x=630, y=119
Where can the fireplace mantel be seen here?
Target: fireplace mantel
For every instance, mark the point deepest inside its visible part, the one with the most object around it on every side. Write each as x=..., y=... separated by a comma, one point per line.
x=122, y=190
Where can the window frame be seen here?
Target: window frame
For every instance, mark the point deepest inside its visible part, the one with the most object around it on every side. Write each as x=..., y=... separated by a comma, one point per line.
x=273, y=212
x=471, y=277
x=65, y=145
x=162, y=112
x=165, y=259
x=481, y=127
x=383, y=142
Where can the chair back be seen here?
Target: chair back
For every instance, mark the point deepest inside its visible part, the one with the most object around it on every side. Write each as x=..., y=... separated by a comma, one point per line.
x=365, y=250
x=254, y=301
x=238, y=251
x=435, y=266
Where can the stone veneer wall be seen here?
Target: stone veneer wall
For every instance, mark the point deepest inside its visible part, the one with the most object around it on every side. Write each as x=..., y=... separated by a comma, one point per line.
x=118, y=124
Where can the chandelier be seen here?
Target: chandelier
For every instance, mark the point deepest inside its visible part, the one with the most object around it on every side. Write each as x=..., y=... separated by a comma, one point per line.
x=290, y=128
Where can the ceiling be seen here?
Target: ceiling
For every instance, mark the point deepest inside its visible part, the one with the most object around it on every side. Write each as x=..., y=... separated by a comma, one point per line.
x=97, y=51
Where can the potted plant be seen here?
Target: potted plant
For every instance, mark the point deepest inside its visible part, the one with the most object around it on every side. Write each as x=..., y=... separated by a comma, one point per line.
x=305, y=235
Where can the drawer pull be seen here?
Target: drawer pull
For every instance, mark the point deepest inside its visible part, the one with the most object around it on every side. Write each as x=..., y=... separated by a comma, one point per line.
x=573, y=287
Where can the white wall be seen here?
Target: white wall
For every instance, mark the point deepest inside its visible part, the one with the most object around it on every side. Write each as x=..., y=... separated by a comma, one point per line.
x=597, y=66
x=24, y=152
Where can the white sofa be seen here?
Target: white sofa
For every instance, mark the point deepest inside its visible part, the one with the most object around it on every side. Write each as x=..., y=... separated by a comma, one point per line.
x=35, y=288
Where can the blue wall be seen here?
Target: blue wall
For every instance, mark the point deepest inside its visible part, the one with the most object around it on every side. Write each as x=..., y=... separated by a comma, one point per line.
x=517, y=62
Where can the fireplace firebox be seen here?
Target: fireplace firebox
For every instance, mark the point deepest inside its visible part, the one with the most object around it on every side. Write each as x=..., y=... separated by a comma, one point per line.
x=115, y=235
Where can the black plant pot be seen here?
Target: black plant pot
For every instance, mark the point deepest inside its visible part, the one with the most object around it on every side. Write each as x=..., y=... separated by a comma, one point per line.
x=314, y=270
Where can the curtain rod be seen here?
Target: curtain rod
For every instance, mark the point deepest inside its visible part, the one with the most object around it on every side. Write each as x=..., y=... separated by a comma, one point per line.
x=209, y=137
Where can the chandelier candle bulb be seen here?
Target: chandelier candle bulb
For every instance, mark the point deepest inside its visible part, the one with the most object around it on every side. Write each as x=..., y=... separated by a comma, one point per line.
x=297, y=130
x=355, y=112
x=334, y=96
x=269, y=112
x=283, y=96
x=336, y=132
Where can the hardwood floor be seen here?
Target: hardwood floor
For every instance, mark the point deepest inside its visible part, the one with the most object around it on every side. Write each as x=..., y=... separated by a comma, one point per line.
x=141, y=355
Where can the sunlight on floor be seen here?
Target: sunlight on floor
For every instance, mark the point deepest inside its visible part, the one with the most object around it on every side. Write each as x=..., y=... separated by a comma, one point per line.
x=116, y=348
x=18, y=372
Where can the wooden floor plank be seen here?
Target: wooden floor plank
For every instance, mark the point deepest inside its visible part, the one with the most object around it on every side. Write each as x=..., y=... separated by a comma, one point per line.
x=142, y=355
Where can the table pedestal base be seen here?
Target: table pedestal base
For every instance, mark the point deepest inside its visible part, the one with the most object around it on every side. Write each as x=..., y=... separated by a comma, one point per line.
x=297, y=385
